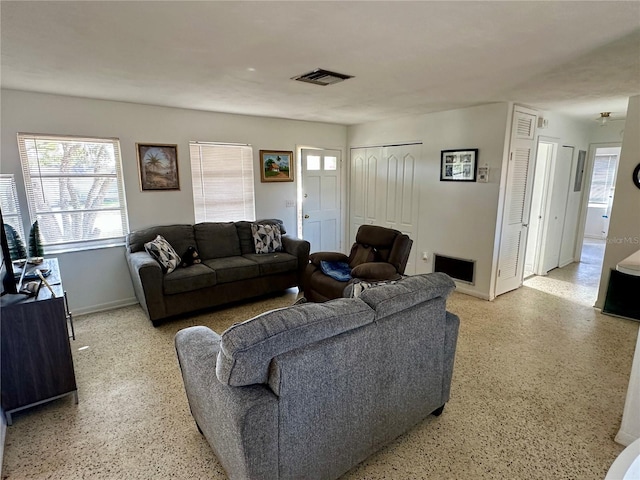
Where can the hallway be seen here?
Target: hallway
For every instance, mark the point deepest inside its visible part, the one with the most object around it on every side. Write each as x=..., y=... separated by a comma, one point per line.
x=577, y=281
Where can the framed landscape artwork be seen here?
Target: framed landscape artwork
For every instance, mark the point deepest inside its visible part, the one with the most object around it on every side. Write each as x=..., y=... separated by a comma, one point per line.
x=158, y=166
x=459, y=165
x=276, y=166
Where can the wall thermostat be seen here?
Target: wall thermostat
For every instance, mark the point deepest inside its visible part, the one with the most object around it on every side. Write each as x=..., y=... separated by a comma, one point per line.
x=483, y=174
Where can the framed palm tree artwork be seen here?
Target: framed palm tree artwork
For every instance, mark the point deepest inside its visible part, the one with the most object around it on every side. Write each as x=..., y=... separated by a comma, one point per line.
x=158, y=164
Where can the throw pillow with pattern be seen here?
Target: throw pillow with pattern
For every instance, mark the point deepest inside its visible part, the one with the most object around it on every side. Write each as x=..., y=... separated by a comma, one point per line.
x=267, y=238
x=164, y=253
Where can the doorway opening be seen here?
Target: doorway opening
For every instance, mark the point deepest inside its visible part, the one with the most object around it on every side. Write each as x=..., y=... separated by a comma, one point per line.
x=599, y=202
x=603, y=181
x=555, y=209
x=553, y=219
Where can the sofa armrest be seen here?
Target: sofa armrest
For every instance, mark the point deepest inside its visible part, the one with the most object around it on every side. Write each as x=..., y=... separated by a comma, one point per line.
x=452, y=324
x=317, y=257
x=240, y=423
x=375, y=271
x=300, y=249
x=147, y=279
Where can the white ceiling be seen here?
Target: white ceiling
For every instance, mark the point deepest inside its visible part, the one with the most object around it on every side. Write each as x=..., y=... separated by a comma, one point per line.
x=578, y=58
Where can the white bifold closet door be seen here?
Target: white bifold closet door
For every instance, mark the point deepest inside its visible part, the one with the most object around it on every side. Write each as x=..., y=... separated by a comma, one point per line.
x=384, y=190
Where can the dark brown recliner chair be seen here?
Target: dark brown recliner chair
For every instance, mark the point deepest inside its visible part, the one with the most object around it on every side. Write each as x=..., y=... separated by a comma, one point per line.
x=379, y=254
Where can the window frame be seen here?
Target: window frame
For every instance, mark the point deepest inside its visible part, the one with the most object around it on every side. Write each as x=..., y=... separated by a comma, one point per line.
x=9, y=179
x=35, y=212
x=204, y=206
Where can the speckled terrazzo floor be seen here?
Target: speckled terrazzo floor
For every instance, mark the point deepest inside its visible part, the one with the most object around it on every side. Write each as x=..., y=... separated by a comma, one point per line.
x=538, y=391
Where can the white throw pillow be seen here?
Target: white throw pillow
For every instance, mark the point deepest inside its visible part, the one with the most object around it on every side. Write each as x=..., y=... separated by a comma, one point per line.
x=164, y=253
x=267, y=238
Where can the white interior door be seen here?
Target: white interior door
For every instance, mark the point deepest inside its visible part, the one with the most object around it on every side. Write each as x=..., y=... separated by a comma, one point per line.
x=363, y=187
x=384, y=190
x=400, y=201
x=511, y=254
x=571, y=215
x=321, y=199
x=557, y=208
x=546, y=152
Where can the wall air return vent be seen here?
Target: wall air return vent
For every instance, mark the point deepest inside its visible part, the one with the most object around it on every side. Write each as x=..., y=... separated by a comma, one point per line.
x=322, y=77
x=457, y=268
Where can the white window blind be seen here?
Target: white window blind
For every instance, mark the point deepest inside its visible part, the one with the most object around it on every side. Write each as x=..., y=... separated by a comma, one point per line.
x=75, y=190
x=603, y=180
x=222, y=178
x=9, y=204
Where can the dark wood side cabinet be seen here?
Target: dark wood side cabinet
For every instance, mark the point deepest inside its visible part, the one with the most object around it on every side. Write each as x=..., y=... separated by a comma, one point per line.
x=37, y=365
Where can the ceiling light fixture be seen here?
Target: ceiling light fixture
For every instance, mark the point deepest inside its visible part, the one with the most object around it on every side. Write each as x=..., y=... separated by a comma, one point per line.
x=604, y=118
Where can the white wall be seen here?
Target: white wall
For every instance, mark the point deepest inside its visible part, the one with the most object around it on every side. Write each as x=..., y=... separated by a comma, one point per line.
x=624, y=227
x=455, y=219
x=99, y=279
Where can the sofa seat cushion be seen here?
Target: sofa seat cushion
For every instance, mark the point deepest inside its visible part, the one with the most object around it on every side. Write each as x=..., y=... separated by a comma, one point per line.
x=247, y=348
x=187, y=279
x=273, y=263
x=232, y=269
x=217, y=240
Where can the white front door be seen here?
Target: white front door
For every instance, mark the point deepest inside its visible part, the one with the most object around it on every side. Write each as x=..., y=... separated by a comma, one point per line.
x=517, y=202
x=321, y=199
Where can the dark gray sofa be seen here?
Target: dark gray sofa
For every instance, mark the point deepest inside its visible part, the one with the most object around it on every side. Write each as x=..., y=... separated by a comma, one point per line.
x=309, y=391
x=230, y=268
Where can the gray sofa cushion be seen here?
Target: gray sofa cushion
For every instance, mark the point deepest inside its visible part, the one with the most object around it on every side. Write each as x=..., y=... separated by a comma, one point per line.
x=389, y=299
x=179, y=236
x=247, y=348
x=232, y=269
x=272, y=263
x=187, y=279
x=217, y=240
x=245, y=236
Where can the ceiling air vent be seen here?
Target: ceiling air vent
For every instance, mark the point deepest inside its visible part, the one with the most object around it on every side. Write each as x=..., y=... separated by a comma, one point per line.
x=322, y=77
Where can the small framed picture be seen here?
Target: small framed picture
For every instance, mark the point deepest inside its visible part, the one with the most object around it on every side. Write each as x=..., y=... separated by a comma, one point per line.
x=276, y=166
x=158, y=165
x=458, y=165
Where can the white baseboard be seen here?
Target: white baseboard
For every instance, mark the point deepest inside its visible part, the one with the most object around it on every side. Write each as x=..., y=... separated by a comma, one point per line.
x=462, y=288
x=105, y=306
x=625, y=438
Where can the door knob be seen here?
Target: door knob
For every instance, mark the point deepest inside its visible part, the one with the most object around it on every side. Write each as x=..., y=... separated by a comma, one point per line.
x=525, y=224
x=306, y=216
x=305, y=195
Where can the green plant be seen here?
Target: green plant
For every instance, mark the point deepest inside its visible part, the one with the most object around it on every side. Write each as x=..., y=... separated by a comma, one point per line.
x=16, y=246
x=35, y=241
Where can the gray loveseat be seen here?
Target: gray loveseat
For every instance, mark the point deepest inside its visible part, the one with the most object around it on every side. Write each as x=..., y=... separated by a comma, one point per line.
x=309, y=391
x=230, y=268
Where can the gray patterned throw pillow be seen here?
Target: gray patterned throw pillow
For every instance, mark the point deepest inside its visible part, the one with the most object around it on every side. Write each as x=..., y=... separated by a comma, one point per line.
x=267, y=238
x=164, y=253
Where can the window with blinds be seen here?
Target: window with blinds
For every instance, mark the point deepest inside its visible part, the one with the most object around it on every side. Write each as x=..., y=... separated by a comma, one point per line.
x=222, y=176
x=604, y=177
x=9, y=203
x=74, y=190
